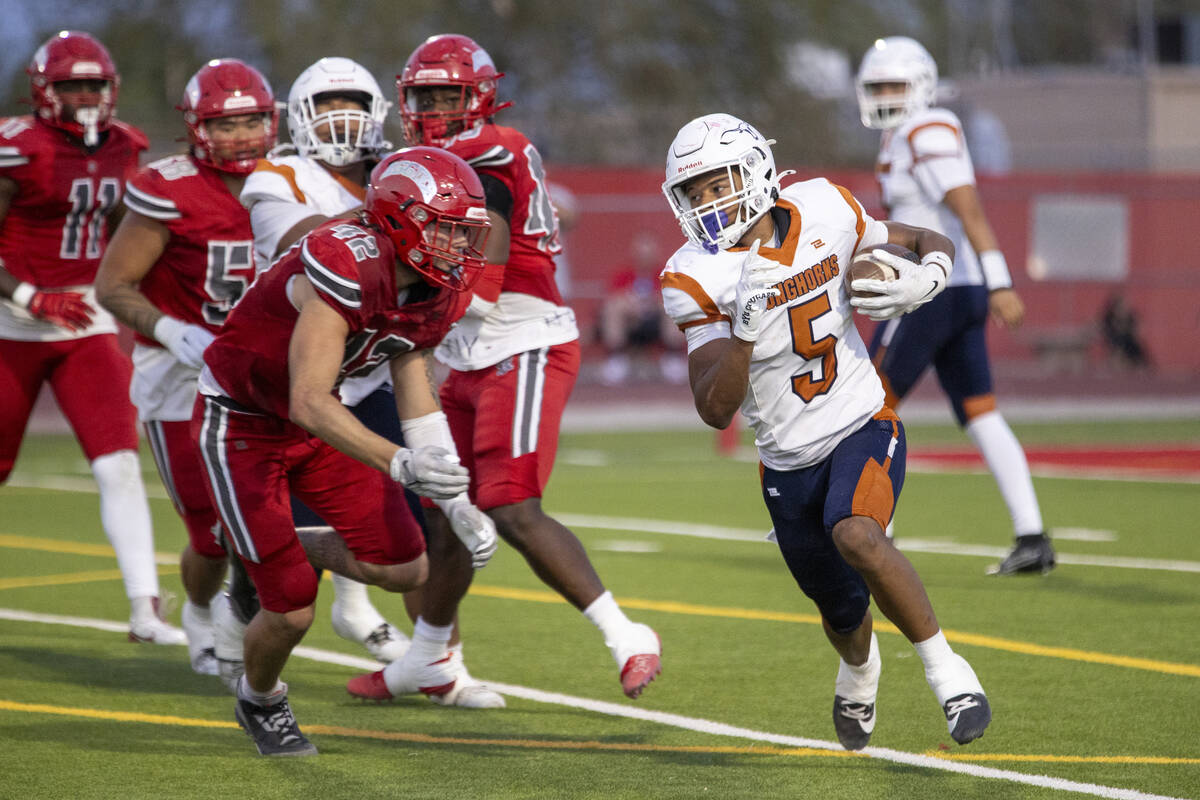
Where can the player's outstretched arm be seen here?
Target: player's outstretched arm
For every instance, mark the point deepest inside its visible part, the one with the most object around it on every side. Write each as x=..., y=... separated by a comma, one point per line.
x=1004, y=303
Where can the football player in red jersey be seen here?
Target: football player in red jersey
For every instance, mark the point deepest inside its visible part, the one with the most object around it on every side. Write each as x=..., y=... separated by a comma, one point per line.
x=349, y=296
x=513, y=358
x=180, y=259
x=62, y=174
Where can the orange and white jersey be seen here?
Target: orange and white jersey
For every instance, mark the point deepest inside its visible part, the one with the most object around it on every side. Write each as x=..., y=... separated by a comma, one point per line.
x=919, y=162
x=811, y=382
x=284, y=190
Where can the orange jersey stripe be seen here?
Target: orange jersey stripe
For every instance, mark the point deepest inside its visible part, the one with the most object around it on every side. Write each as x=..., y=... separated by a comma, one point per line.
x=288, y=174
x=689, y=286
x=860, y=225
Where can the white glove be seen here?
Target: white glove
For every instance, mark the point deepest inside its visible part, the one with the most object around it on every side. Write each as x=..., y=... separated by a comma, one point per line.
x=753, y=290
x=185, y=342
x=914, y=286
x=430, y=472
x=473, y=528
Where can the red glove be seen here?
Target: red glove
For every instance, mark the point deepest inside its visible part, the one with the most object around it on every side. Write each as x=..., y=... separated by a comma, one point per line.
x=66, y=309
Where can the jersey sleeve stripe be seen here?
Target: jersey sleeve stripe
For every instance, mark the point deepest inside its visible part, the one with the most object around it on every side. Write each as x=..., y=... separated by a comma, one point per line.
x=912, y=145
x=149, y=205
x=860, y=224
x=287, y=173
x=346, y=291
x=689, y=286
x=496, y=156
x=12, y=157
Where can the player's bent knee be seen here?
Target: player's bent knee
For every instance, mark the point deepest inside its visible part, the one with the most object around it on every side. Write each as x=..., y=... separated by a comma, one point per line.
x=515, y=521
x=861, y=542
x=398, y=577
x=286, y=585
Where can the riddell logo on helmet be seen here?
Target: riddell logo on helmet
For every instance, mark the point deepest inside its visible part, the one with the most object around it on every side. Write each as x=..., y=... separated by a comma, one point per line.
x=242, y=101
x=86, y=68
x=692, y=165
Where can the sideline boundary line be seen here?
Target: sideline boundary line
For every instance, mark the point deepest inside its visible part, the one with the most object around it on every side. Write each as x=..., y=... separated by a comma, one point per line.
x=698, y=725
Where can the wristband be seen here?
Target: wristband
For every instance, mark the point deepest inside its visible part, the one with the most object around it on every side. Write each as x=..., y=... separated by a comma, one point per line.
x=167, y=329
x=995, y=270
x=23, y=294
x=940, y=260
x=431, y=430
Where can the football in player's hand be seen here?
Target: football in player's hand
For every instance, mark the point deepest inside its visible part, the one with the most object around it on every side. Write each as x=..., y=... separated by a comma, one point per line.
x=867, y=266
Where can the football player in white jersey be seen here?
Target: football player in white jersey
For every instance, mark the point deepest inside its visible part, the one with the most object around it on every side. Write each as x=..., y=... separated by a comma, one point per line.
x=758, y=291
x=927, y=179
x=336, y=114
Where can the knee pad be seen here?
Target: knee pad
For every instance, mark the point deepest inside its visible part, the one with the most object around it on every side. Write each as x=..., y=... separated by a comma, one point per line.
x=286, y=582
x=117, y=471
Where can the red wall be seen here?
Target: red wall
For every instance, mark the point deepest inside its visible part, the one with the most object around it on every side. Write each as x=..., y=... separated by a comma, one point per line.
x=1164, y=239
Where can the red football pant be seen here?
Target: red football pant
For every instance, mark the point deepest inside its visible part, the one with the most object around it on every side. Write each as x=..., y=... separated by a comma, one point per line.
x=254, y=463
x=178, y=458
x=90, y=379
x=505, y=420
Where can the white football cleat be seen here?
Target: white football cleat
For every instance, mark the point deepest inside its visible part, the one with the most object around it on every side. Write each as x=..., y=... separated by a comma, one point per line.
x=467, y=692
x=368, y=628
x=197, y=624
x=639, y=656
x=152, y=628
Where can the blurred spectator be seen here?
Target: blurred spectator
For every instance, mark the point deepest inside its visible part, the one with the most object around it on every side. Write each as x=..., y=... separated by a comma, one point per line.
x=632, y=322
x=566, y=207
x=1119, y=325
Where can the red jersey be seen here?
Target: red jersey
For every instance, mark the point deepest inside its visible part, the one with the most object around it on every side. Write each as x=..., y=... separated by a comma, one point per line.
x=505, y=154
x=55, y=231
x=352, y=268
x=209, y=260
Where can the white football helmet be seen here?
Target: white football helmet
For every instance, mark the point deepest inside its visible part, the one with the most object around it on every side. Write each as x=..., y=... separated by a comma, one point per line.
x=361, y=132
x=714, y=142
x=896, y=59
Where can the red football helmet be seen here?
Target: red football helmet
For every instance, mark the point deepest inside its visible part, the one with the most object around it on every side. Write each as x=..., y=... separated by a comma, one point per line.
x=448, y=59
x=74, y=56
x=227, y=87
x=430, y=204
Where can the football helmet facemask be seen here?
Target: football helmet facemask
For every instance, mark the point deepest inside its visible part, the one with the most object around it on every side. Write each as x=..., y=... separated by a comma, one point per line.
x=350, y=135
x=896, y=59
x=74, y=56
x=455, y=61
x=721, y=142
x=227, y=87
x=430, y=204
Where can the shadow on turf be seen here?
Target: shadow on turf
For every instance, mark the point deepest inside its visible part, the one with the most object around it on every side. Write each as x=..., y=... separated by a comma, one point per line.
x=146, y=670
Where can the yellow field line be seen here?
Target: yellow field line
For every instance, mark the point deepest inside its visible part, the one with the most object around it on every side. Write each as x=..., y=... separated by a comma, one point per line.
x=55, y=546
x=539, y=744
x=68, y=578
x=668, y=607
x=421, y=738
x=978, y=640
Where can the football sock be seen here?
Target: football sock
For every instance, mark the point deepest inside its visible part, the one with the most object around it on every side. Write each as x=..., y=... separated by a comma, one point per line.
x=125, y=517
x=860, y=684
x=947, y=673
x=429, y=644
x=354, y=607
x=1008, y=465
x=228, y=630
x=605, y=614
x=258, y=698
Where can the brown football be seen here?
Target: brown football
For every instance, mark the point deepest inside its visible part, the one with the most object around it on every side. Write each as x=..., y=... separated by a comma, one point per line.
x=866, y=266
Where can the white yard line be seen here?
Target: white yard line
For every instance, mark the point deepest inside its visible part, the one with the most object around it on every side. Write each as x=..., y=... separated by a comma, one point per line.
x=704, y=726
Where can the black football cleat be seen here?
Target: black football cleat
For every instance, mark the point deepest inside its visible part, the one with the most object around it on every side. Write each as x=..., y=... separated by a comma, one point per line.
x=1031, y=554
